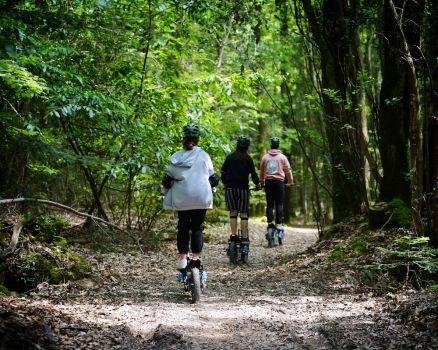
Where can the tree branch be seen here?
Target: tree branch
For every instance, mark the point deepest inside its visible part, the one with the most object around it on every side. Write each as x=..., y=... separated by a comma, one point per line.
x=61, y=206
x=14, y=240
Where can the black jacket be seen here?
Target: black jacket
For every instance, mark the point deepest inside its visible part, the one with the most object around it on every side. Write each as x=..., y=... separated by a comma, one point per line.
x=235, y=172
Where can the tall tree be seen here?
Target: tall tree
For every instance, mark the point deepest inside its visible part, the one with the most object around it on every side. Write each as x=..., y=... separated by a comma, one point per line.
x=395, y=100
x=334, y=30
x=431, y=122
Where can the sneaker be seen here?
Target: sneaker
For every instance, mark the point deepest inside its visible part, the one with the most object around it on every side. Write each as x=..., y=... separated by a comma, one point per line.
x=271, y=225
x=181, y=264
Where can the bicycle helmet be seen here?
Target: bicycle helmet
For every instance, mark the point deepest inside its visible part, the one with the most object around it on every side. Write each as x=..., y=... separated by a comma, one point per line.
x=243, y=142
x=275, y=142
x=191, y=131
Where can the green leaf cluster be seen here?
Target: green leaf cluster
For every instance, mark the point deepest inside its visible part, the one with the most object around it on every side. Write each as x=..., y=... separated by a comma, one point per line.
x=409, y=251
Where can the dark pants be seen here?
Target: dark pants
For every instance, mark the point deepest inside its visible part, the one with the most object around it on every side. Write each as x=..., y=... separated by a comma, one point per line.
x=190, y=220
x=274, y=199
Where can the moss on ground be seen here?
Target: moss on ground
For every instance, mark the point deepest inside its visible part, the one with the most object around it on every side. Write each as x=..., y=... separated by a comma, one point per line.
x=402, y=215
x=338, y=252
x=4, y=291
x=46, y=228
x=30, y=268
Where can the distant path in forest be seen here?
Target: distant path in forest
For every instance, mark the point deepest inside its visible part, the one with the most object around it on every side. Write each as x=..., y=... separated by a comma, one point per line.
x=281, y=300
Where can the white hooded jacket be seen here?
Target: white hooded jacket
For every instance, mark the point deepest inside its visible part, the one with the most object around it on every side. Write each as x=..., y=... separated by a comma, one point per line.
x=191, y=188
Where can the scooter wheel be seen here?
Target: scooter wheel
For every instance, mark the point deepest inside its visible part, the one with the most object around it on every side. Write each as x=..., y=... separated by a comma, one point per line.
x=233, y=253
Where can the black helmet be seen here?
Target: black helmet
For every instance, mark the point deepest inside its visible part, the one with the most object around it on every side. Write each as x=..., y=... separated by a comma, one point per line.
x=243, y=141
x=191, y=131
x=275, y=142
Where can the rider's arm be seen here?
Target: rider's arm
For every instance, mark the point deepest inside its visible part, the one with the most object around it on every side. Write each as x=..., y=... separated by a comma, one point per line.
x=262, y=172
x=254, y=177
x=213, y=179
x=287, y=171
x=289, y=176
x=167, y=181
x=224, y=170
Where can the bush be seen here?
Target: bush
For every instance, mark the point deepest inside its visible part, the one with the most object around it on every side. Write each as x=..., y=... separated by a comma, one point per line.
x=338, y=252
x=31, y=268
x=47, y=228
x=409, y=257
x=358, y=247
x=217, y=215
x=4, y=291
x=392, y=214
x=402, y=216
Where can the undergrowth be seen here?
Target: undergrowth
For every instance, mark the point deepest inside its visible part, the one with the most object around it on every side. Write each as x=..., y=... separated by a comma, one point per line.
x=385, y=258
x=42, y=254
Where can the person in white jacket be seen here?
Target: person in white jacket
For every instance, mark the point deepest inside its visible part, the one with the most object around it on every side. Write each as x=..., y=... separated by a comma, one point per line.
x=188, y=190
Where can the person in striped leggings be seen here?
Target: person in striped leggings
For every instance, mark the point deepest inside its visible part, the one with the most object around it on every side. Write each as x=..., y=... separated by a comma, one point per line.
x=234, y=175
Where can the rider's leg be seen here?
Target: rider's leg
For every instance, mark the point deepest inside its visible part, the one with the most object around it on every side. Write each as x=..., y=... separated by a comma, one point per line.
x=231, y=201
x=244, y=209
x=279, y=199
x=244, y=225
x=182, y=238
x=197, y=227
x=270, y=200
x=233, y=222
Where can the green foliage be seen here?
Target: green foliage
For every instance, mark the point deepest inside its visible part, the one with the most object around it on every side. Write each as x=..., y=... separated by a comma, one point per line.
x=338, y=252
x=331, y=231
x=4, y=291
x=48, y=228
x=358, y=247
x=98, y=91
x=409, y=256
x=18, y=79
x=393, y=214
x=402, y=215
x=217, y=215
x=49, y=265
x=354, y=244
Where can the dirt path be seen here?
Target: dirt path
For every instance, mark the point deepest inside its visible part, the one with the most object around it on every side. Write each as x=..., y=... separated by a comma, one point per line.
x=134, y=301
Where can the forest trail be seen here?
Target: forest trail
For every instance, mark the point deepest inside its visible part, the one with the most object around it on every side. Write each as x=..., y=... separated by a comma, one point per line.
x=133, y=301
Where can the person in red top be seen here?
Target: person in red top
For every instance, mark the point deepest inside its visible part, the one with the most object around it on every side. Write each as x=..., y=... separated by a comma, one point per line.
x=274, y=169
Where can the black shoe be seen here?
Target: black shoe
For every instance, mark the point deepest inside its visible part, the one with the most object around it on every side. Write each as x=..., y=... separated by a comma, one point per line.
x=234, y=238
x=194, y=264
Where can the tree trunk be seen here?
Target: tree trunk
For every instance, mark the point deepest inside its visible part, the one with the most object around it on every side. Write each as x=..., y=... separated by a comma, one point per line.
x=223, y=42
x=395, y=104
x=431, y=123
x=415, y=145
x=334, y=37
x=87, y=172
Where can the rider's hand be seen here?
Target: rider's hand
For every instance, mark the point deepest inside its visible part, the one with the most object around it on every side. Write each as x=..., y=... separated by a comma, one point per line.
x=258, y=187
x=167, y=181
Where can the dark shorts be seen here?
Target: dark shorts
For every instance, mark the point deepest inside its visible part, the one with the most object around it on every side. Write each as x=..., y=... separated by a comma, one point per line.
x=237, y=199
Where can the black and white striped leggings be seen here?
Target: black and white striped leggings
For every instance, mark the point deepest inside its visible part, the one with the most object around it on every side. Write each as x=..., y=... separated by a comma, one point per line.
x=237, y=199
